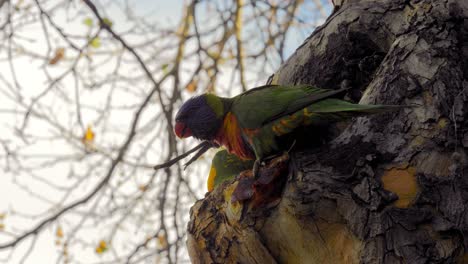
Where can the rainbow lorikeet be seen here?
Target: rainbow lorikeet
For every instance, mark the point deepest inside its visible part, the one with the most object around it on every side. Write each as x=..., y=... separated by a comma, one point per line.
x=226, y=166
x=251, y=124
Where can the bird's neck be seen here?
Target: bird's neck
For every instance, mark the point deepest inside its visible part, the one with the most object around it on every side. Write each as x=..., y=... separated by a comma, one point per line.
x=220, y=105
x=230, y=136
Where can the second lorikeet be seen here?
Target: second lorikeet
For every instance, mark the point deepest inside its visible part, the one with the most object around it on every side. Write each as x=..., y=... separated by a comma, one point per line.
x=250, y=124
x=226, y=166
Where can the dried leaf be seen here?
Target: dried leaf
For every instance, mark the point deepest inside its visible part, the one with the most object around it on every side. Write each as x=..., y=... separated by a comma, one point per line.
x=162, y=241
x=59, y=232
x=192, y=86
x=59, y=54
x=143, y=187
x=2, y=226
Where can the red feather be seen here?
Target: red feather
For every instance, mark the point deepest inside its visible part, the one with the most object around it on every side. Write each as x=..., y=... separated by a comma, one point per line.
x=229, y=136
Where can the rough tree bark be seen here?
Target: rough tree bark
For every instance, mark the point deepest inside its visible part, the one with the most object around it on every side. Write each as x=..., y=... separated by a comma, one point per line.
x=390, y=188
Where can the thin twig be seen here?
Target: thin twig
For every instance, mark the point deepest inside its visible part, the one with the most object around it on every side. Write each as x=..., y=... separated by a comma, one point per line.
x=204, y=146
x=198, y=154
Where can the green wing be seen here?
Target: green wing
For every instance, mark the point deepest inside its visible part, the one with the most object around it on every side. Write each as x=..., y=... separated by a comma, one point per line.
x=264, y=104
x=274, y=111
x=324, y=112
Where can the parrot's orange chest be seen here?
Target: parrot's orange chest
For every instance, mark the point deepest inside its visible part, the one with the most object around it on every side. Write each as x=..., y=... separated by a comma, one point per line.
x=230, y=136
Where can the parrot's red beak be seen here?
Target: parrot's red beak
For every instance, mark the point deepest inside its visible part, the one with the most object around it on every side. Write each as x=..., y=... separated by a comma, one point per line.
x=181, y=130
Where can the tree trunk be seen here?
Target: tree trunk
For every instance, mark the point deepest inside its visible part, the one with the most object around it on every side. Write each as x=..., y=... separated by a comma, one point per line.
x=390, y=188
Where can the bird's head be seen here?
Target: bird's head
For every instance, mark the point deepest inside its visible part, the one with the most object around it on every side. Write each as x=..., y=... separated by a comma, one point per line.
x=219, y=164
x=200, y=117
x=226, y=166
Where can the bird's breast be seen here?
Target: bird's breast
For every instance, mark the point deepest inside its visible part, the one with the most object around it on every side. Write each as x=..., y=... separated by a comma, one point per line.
x=230, y=136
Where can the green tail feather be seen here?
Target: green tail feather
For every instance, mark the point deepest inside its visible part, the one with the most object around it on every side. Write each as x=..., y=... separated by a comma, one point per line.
x=337, y=110
x=327, y=111
x=336, y=105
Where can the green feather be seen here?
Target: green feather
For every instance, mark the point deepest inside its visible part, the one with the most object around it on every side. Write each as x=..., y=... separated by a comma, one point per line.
x=216, y=104
x=274, y=110
x=228, y=166
x=267, y=103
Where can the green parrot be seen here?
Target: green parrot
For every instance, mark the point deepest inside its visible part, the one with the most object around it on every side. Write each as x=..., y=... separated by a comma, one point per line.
x=226, y=166
x=250, y=125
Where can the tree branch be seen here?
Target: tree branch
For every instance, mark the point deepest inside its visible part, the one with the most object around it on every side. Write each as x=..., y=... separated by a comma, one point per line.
x=121, y=152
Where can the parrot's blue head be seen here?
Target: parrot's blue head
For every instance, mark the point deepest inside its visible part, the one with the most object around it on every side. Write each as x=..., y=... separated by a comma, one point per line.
x=199, y=117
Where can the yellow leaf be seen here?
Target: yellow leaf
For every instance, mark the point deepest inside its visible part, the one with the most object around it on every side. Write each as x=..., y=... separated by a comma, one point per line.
x=59, y=54
x=88, y=22
x=103, y=244
x=143, y=188
x=192, y=86
x=95, y=42
x=102, y=247
x=213, y=54
x=88, y=136
x=2, y=216
x=59, y=232
x=2, y=226
x=88, y=139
